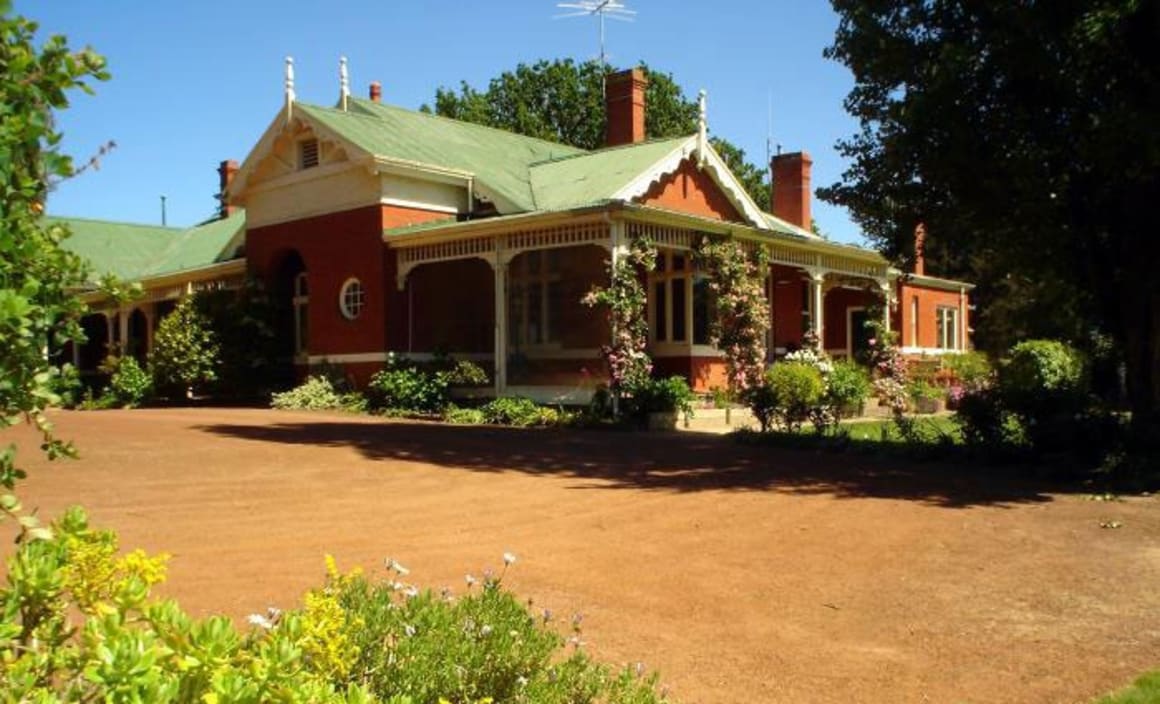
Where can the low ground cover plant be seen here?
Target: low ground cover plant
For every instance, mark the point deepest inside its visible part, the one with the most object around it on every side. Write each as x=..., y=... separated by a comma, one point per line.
x=78, y=623
x=317, y=393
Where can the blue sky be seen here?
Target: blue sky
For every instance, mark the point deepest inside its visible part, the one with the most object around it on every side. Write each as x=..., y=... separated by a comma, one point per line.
x=197, y=82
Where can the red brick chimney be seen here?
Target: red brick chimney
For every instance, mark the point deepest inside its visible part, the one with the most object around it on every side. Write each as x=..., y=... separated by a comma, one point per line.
x=920, y=249
x=226, y=171
x=624, y=107
x=376, y=92
x=791, y=188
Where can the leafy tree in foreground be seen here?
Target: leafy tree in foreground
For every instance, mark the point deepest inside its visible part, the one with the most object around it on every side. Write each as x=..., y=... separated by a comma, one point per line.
x=1024, y=136
x=562, y=101
x=37, y=311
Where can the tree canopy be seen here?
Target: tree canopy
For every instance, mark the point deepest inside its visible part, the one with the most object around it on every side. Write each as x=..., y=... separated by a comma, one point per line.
x=1024, y=135
x=563, y=101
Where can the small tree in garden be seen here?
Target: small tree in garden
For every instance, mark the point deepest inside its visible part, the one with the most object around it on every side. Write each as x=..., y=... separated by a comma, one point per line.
x=185, y=350
x=627, y=358
x=742, y=320
x=891, y=377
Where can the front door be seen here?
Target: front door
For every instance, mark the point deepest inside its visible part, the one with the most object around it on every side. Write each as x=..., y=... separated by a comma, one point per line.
x=859, y=334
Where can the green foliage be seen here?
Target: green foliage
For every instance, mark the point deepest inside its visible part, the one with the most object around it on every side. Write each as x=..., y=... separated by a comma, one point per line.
x=1048, y=108
x=791, y=393
x=464, y=416
x=563, y=101
x=921, y=389
x=465, y=373
x=185, y=352
x=739, y=328
x=78, y=624
x=67, y=386
x=626, y=304
x=317, y=393
x=669, y=395
x=847, y=386
x=38, y=312
x=1036, y=368
x=970, y=369
x=517, y=411
x=403, y=386
x=129, y=385
x=242, y=322
x=1145, y=690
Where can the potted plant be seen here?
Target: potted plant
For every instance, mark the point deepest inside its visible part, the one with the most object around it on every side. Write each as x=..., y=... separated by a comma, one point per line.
x=926, y=397
x=661, y=401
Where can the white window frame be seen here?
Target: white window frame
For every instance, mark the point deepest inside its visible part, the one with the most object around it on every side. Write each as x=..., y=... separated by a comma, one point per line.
x=301, y=303
x=947, y=325
x=351, y=309
x=522, y=278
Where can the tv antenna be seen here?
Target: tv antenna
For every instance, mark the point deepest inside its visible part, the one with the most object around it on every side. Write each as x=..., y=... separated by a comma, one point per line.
x=612, y=9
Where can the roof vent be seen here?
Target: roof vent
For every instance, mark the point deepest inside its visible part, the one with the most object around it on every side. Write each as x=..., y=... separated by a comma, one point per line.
x=308, y=154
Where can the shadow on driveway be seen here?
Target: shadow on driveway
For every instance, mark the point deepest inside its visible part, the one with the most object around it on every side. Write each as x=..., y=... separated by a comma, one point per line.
x=678, y=462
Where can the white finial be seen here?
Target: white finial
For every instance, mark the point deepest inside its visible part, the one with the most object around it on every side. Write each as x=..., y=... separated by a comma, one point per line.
x=702, y=128
x=343, y=82
x=289, y=86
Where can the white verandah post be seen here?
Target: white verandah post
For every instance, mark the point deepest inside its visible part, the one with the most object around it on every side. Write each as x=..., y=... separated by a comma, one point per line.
x=618, y=250
x=818, y=304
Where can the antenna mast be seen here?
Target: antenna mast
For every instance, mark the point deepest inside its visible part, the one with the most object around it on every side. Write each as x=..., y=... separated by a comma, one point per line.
x=612, y=9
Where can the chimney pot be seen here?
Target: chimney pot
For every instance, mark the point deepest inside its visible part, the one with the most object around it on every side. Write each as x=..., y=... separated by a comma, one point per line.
x=226, y=171
x=791, y=188
x=376, y=92
x=624, y=106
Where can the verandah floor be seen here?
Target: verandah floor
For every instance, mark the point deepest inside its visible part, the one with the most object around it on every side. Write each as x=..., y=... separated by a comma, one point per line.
x=742, y=573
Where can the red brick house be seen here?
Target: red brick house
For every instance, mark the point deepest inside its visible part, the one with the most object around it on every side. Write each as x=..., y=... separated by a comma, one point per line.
x=394, y=231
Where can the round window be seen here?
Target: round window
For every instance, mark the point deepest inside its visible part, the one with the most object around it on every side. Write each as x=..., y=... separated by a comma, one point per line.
x=351, y=299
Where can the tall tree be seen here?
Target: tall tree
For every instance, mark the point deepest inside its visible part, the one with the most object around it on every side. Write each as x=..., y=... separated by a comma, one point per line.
x=563, y=101
x=38, y=312
x=1024, y=135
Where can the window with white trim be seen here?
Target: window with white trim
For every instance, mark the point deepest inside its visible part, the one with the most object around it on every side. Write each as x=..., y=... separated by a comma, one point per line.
x=308, y=153
x=534, y=291
x=681, y=301
x=301, y=303
x=948, y=327
x=351, y=298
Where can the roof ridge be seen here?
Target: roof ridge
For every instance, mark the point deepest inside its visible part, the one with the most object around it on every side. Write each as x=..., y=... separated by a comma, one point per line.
x=509, y=133
x=605, y=150
x=123, y=223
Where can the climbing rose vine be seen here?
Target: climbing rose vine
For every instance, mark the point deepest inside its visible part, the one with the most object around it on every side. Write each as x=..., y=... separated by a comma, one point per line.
x=736, y=279
x=629, y=365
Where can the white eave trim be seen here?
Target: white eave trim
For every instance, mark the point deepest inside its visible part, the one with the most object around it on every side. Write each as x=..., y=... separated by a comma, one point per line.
x=231, y=267
x=714, y=166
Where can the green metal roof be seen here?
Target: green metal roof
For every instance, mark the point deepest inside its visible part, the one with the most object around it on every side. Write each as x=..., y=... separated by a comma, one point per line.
x=595, y=176
x=131, y=251
x=498, y=160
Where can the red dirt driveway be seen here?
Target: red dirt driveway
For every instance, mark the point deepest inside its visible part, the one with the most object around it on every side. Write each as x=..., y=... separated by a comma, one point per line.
x=742, y=574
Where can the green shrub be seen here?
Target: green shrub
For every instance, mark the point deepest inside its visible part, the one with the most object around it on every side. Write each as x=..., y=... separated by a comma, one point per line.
x=129, y=384
x=1043, y=383
x=405, y=386
x=464, y=416
x=244, y=322
x=983, y=420
x=848, y=387
x=669, y=395
x=921, y=389
x=795, y=390
x=970, y=369
x=78, y=624
x=517, y=411
x=185, y=351
x=315, y=394
x=466, y=373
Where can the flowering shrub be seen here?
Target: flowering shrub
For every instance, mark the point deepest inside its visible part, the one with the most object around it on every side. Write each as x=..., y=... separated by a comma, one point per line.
x=624, y=299
x=736, y=278
x=970, y=369
x=78, y=624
